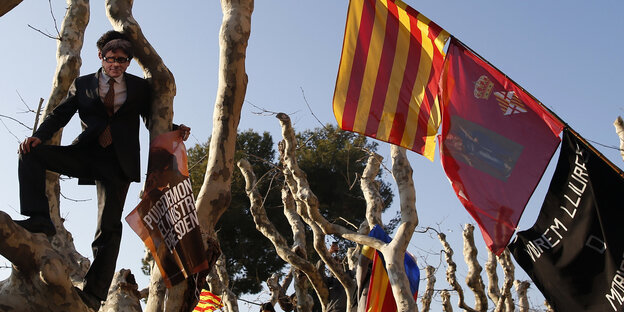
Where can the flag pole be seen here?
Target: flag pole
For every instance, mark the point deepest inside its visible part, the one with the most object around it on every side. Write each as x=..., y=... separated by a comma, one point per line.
x=565, y=124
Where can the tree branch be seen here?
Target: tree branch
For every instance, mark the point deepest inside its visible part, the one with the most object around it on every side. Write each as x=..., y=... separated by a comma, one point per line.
x=266, y=227
x=451, y=269
x=473, y=278
x=428, y=294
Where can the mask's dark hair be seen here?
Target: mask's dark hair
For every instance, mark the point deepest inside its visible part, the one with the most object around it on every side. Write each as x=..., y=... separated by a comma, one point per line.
x=118, y=44
x=108, y=36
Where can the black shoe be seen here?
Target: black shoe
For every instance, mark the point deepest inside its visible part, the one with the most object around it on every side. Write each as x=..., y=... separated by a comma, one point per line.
x=38, y=224
x=89, y=299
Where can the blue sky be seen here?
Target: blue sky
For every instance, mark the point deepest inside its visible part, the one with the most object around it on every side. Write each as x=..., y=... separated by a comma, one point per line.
x=566, y=53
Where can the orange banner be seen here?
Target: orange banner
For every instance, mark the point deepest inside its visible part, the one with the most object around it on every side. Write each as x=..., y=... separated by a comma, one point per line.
x=166, y=218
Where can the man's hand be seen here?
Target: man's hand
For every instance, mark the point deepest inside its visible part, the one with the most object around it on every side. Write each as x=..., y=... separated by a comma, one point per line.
x=184, y=131
x=29, y=143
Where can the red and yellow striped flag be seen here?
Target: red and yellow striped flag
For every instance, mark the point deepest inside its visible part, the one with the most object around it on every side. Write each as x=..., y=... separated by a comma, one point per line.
x=208, y=302
x=388, y=75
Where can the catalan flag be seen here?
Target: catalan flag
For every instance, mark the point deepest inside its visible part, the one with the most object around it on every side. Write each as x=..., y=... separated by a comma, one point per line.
x=208, y=302
x=387, y=83
x=380, y=297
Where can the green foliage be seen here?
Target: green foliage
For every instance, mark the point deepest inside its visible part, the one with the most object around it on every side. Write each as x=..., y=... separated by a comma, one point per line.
x=333, y=161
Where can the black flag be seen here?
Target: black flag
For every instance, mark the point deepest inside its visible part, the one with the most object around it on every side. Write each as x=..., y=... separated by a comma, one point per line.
x=574, y=252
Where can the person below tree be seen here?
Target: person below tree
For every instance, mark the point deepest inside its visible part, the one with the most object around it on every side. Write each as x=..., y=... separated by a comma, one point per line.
x=109, y=103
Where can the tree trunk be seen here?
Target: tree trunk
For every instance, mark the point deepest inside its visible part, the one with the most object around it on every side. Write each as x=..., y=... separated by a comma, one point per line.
x=473, y=278
x=506, y=301
x=394, y=253
x=215, y=194
x=451, y=269
x=447, y=306
x=521, y=290
x=40, y=266
x=428, y=294
x=490, y=269
x=214, y=197
x=296, y=256
x=39, y=280
x=123, y=294
x=308, y=209
x=370, y=189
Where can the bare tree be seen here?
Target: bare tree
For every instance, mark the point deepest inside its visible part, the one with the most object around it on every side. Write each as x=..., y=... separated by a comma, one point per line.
x=307, y=209
x=300, y=204
x=44, y=267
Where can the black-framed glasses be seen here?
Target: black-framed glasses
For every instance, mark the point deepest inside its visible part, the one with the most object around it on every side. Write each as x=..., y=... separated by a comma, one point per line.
x=120, y=60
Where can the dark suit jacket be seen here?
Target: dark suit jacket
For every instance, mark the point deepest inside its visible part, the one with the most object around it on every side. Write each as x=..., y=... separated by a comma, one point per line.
x=84, y=97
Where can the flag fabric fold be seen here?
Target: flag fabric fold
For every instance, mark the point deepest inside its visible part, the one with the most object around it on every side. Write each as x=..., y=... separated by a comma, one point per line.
x=380, y=297
x=388, y=76
x=573, y=252
x=496, y=142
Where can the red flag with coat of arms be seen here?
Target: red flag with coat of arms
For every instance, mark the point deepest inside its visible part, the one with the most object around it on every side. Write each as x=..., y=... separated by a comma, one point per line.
x=495, y=144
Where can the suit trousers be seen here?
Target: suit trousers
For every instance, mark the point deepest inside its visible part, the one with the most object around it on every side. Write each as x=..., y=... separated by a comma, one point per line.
x=89, y=161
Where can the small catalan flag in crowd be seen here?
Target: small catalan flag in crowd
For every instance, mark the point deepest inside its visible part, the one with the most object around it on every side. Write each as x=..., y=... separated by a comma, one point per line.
x=208, y=302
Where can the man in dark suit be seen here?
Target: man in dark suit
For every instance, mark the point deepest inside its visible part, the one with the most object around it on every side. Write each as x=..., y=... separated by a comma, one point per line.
x=109, y=103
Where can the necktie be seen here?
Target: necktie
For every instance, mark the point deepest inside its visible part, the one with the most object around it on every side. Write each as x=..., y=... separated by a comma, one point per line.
x=106, y=138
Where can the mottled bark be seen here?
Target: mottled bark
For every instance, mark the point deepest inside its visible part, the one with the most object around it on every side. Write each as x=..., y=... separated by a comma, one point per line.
x=214, y=197
x=274, y=287
x=429, y=290
x=294, y=257
x=306, y=200
x=304, y=300
x=39, y=280
x=394, y=252
x=370, y=189
x=490, y=269
x=8, y=5
x=215, y=194
x=296, y=224
x=506, y=301
x=221, y=280
x=161, y=79
x=278, y=291
x=619, y=129
x=473, y=278
x=353, y=256
x=309, y=210
x=68, y=68
x=447, y=306
x=451, y=269
x=123, y=295
x=34, y=256
x=521, y=290
x=301, y=285
x=156, y=290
